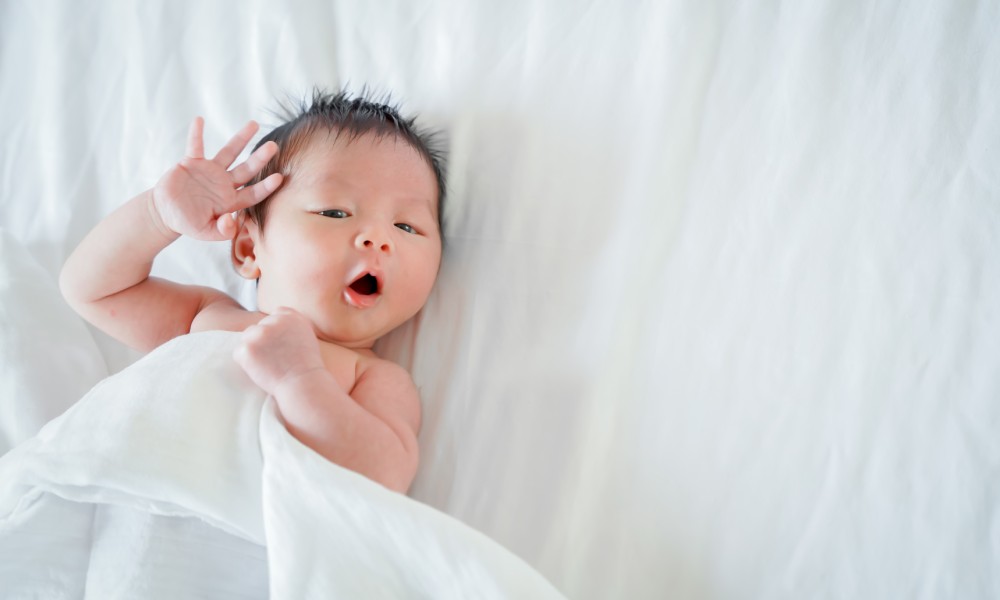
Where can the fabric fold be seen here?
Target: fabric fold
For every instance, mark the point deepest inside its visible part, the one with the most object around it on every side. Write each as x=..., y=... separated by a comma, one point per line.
x=176, y=477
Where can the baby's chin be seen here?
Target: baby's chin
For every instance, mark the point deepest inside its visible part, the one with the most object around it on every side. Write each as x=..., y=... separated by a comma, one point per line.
x=356, y=329
x=354, y=339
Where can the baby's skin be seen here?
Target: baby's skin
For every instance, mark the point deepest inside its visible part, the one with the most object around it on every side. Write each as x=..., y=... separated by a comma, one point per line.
x=349, y=251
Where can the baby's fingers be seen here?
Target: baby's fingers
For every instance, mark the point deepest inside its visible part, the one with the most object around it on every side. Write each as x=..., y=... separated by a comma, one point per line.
x=255, y=193
x=235, y=145
x=195, y=142
x=248, y=169
x=226, y=226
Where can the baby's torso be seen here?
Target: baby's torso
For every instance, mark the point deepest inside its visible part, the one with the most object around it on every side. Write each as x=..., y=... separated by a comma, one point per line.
x=344, y=364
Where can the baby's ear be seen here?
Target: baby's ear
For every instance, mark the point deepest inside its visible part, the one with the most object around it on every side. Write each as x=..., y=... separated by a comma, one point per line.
x=243, y=248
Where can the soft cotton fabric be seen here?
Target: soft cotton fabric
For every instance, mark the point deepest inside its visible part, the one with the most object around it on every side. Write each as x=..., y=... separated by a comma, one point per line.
x=175, y=478
x=719, y=312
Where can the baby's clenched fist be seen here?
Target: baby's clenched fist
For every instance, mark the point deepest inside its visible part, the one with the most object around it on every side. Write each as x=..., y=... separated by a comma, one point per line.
x=279, y=349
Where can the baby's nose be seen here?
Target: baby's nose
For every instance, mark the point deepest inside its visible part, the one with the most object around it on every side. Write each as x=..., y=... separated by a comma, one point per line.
x=373, y=240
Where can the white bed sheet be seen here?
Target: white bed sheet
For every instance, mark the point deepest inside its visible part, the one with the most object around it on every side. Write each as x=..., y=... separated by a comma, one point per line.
x=718, y=312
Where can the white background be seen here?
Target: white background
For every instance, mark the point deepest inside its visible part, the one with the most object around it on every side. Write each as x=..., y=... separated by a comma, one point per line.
x=718, y=313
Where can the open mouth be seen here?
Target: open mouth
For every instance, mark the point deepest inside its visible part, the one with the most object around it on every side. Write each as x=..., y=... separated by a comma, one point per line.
x=366, y=285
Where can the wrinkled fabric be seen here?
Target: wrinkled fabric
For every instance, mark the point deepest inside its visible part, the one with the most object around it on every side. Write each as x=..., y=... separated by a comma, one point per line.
x=175, y=478
x=718, y=310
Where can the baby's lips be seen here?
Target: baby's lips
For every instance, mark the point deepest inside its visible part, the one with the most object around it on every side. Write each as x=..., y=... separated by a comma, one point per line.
x=359, y=300
x=364, y=289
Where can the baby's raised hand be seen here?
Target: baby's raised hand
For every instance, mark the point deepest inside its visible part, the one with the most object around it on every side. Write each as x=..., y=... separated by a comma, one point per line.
x=197, y=196
x=278, y=349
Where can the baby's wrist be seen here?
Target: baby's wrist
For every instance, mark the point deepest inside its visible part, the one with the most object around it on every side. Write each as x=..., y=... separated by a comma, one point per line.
x=156, y=219
x=295, y=384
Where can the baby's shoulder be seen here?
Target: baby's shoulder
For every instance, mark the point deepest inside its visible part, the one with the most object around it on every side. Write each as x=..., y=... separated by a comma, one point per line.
x=373, y=366
x=220, y=312
x=385, y=388
x=353, y=367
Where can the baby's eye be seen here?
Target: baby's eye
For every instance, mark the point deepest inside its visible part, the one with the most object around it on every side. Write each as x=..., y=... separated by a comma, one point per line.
x=406, y=228
x=334, y=213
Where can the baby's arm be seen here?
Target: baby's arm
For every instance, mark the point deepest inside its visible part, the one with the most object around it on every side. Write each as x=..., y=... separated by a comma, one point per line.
x=370, y=429
x=106, y=279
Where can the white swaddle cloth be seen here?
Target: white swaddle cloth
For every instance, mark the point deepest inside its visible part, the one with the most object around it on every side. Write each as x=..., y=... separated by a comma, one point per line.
x=176, y=478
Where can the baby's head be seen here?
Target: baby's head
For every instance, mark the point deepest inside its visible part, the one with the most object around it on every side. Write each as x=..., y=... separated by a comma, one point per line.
x=342, y=116
x=351, y=238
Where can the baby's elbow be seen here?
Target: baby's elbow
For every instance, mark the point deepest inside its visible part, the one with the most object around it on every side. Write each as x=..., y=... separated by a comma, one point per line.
x=69, y=287
x=399, y=476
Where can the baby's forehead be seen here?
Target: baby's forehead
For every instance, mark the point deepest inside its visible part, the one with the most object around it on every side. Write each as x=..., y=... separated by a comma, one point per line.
x=337, y=150
x=362, y=161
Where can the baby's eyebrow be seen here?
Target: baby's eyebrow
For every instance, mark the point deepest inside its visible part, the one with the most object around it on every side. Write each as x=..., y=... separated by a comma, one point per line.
x=423, y=204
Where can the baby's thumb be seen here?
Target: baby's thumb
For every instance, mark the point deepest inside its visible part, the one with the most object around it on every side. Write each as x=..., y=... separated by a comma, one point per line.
x=226, y=225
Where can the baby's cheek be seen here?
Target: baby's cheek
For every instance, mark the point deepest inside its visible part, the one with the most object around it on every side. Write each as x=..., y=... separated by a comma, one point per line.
x=422, y=282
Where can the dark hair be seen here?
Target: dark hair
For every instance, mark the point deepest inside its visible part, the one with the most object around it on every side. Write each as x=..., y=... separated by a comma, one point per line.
x=343, y=114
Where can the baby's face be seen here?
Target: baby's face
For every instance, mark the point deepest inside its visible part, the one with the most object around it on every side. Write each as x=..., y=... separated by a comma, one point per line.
x=351, y=239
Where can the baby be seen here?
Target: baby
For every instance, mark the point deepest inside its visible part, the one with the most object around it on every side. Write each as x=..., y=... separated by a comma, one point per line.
x=335, y=214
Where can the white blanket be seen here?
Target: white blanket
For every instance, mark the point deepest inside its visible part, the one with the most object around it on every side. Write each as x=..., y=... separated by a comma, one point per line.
x=175, y=478
x=719, y=311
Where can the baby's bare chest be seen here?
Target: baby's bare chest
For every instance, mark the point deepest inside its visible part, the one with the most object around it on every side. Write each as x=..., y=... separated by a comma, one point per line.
x=342, y=363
